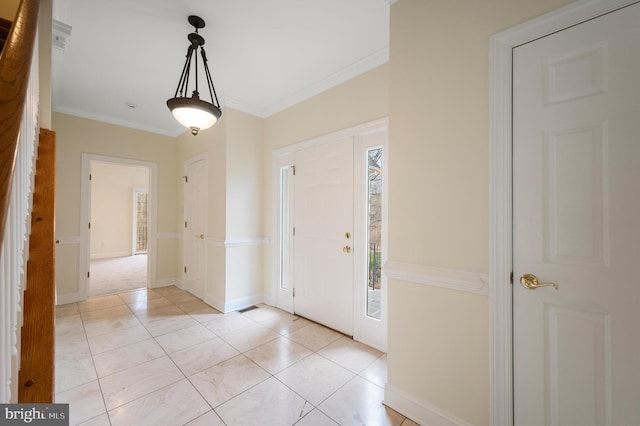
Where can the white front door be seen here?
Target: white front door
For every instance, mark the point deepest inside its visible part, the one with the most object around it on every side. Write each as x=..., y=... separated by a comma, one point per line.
x=195, y=216
x=576, y=166
x=323, y=241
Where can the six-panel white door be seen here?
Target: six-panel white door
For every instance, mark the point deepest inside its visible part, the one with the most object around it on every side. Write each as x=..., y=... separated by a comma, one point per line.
x=195, y=216
x=323, y=220
x=576, y=224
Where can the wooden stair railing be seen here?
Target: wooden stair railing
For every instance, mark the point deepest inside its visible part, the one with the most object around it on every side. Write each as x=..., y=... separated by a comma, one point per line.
x=15, y=64
x=36, y=378
x=34, y=309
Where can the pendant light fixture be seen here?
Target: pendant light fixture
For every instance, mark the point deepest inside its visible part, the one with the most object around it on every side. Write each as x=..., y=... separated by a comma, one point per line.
x=193, y=112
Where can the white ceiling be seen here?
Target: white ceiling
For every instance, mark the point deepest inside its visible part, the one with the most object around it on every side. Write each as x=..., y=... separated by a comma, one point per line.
x=264, y=56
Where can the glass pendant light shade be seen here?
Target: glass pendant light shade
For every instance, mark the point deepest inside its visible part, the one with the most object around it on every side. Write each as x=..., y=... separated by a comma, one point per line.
x=193, y=112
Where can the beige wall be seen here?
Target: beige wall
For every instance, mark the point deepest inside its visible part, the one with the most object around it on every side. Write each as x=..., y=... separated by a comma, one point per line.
x=244, y=173
x=438, y=194
x=8, y=9
x=78, y=135
x=112, y=187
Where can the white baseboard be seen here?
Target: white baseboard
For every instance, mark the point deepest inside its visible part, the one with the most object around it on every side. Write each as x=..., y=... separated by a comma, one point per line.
x=241, y=303
x=232, y=305
x=268, y=299
x=66, y=298
x=420, y=412
x=213, y=302
x=180, y=284
x=166, y=282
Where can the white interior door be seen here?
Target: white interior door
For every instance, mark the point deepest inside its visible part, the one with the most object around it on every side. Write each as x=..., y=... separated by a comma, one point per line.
x=323, y=221
x=195, y=216
x=576, y=208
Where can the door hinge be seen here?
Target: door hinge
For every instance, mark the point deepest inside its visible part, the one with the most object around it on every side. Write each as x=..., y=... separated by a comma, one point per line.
x=88, y=274
x=294, y=169
x=90, y=177
x=186, y=179
x=511, y=278
x=89, y=225
x=185, y=269
x=185, y=223
x=294, y=231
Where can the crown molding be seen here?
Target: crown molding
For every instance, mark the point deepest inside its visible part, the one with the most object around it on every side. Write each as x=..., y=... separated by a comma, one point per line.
x=370, y=62
x=117, y=122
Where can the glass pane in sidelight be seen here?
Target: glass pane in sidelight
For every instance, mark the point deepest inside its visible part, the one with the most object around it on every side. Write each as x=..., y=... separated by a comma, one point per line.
x=285, y=226
x=374, y=232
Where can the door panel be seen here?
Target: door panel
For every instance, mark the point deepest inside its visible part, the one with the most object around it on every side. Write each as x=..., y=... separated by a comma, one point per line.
x=323, y=215
x=195, y=213
x=576, y=170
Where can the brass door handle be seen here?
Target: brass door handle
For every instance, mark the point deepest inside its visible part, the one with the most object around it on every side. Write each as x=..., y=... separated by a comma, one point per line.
x=530, y=282
x=346, y=249
x=201, y=236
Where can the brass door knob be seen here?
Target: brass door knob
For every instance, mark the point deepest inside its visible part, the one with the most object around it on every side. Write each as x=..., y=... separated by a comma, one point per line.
x=530, y=282
x=346, y=249
x=201, y=236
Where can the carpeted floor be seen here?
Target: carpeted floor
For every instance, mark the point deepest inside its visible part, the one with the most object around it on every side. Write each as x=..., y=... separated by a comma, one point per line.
x=118, y=274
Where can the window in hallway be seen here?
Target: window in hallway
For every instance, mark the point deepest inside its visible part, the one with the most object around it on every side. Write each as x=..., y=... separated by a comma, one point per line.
x=374, y=232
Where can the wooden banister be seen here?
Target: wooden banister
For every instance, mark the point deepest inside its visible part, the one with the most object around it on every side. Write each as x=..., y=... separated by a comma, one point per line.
x=15, y=65
x=36, y=380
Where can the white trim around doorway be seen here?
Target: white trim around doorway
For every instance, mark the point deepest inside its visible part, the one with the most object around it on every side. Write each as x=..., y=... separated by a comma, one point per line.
x=85, y=215
x=500, y=127
x=283, y=157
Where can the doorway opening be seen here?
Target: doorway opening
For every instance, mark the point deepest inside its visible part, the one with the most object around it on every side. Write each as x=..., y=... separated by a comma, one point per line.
x=118, y=234
x=117, y=246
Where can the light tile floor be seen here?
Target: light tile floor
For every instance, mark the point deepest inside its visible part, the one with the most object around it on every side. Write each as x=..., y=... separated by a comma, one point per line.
x=163, y=357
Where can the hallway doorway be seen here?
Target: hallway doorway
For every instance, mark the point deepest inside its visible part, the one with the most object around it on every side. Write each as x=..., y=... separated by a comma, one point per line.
x=117, y=247
x=118, y=233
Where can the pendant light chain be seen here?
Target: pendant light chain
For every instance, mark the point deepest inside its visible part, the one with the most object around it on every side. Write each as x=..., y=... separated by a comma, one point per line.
x=212, y=90
x=191, y=111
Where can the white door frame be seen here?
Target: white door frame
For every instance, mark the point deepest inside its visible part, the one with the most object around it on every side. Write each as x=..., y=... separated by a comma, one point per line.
x=366, y=329
x=85, y=210
x=284, y=156
x=501, y=184
x=282, y=298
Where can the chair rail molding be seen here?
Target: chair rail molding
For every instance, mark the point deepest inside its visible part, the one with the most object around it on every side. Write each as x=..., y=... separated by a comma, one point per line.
x=452, y=279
